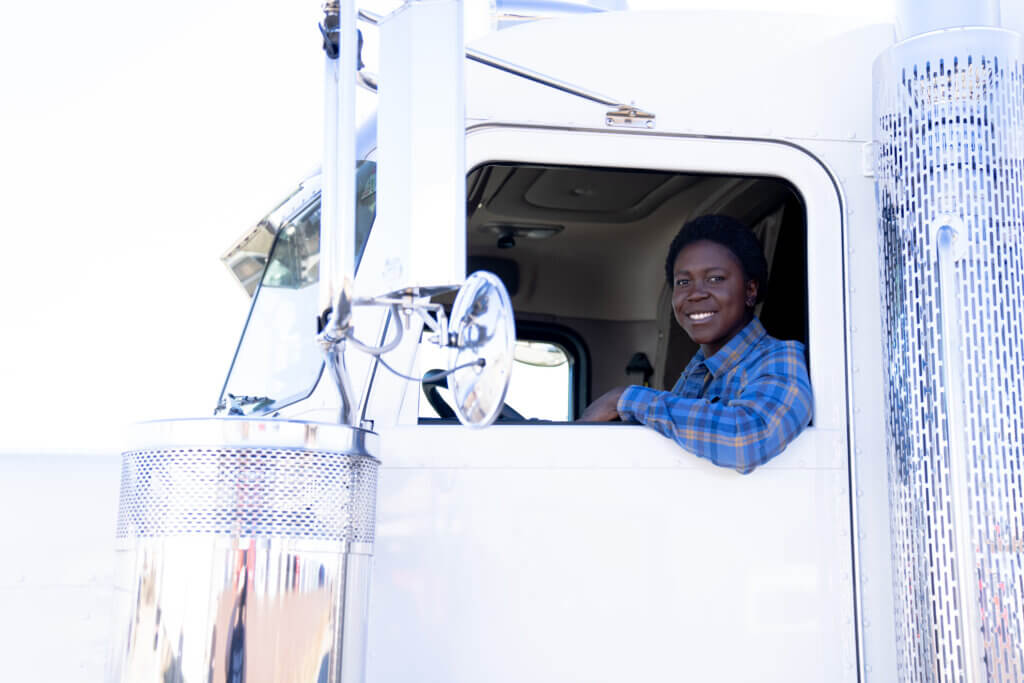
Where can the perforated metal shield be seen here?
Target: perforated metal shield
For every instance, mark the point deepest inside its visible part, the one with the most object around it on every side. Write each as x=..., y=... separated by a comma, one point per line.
x=949, y=135
x=247, y=492
x=226, y=477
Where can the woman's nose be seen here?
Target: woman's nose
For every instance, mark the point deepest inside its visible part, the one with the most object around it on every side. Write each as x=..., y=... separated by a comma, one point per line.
x=696, y=293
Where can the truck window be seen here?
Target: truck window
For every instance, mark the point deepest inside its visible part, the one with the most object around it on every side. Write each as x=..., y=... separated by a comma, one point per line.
x=276, y=363
x=589, y=244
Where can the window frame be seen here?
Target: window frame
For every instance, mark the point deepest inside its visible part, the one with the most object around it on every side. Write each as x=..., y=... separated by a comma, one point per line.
x=309, y=200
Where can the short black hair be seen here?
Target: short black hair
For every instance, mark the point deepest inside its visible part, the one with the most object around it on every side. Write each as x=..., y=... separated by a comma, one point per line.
x=732, y=235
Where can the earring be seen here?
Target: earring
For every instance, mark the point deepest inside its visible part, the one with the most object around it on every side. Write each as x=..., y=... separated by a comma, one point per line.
x=751, y=301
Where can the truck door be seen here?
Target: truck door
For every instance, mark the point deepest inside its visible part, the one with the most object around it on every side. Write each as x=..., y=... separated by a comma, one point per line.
x=546, y=550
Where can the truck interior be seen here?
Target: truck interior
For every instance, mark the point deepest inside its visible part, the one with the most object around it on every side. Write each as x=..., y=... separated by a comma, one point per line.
x=581, y=251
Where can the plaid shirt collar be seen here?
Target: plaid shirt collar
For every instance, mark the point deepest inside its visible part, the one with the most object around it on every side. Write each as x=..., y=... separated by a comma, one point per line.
x=730, y=354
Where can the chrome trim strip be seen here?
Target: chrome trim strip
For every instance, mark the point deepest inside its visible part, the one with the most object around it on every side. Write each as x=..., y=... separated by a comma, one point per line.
x=249, y=432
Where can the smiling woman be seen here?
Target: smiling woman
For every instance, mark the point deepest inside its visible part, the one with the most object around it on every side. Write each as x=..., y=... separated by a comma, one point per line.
x=712, y=297
x=745, y=394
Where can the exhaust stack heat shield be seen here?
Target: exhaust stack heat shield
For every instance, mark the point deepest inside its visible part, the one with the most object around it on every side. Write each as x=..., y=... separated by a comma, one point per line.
x=244, y=552
x=949, y=139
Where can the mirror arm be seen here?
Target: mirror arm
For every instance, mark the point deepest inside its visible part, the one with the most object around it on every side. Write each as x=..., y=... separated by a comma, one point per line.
x=332, y=343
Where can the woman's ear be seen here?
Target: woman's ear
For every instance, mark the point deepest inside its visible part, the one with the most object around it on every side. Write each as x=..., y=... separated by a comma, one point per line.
x=751, y=298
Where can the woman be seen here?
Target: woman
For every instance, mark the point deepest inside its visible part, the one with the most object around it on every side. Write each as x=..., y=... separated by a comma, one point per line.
x=744, y=395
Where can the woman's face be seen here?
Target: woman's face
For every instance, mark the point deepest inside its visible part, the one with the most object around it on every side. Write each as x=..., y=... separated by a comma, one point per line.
x=709, y=295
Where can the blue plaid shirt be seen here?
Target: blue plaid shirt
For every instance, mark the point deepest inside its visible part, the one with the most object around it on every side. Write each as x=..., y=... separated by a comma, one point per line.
x=738, y=408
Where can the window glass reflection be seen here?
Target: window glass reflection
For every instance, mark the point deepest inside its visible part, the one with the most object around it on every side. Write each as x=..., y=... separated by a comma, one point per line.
x=278, y=361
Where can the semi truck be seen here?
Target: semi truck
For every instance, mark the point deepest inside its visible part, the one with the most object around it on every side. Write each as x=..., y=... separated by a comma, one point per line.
x=882, y=169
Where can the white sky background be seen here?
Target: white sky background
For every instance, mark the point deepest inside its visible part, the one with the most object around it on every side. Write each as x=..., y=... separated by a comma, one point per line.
x=137, y=142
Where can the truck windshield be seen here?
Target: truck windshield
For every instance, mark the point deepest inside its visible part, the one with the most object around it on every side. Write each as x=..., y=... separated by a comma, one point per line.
x=277, y=361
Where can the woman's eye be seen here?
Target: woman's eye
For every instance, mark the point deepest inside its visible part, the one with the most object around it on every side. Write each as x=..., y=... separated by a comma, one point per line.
x=716, y=278
x=682, y=282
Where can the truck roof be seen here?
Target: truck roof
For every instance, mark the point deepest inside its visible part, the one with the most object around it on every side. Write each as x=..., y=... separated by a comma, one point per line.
x=720, y=73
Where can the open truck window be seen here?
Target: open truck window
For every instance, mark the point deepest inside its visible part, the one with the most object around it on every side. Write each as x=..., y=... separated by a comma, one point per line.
x=582, y=250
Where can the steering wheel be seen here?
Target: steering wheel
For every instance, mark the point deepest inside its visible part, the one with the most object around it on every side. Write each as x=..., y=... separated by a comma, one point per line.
x=432, y=380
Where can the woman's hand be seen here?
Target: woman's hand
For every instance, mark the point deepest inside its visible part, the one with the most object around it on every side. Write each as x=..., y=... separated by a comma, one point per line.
x=605, y=408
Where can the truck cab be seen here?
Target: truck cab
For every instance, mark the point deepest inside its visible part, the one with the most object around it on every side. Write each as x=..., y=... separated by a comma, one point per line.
x=541, y=549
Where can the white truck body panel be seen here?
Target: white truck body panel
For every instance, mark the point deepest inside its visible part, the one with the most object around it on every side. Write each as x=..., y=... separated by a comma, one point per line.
x=605, y=554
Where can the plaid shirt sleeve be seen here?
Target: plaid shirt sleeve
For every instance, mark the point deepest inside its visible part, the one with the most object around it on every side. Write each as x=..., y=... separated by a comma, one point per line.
x=771, y=408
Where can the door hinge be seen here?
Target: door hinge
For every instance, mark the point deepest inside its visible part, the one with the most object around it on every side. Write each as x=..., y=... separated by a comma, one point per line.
x=628, y=116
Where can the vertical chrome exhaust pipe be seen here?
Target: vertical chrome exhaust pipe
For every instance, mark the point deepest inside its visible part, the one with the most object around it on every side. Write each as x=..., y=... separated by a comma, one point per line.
x=338, y=194
x=244, y=552
x=949, y=136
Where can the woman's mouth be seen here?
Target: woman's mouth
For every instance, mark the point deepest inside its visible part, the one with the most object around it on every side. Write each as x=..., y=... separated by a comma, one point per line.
x=701, y=316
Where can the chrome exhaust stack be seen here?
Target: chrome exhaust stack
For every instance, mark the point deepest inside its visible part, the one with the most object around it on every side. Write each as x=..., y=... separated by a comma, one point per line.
x=244, y=552
x=949, y=139
x=245, y=544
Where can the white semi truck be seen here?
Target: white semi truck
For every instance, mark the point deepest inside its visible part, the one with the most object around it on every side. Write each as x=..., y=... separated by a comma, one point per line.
x=884, y=175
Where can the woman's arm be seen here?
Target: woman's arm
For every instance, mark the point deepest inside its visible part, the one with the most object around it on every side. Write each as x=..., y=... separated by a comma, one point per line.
x=740, y=432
